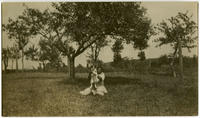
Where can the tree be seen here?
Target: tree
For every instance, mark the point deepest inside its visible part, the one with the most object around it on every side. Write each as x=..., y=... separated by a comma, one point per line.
x=34, y=54
x=12, y=55
x=18, y=30
x=116, y=48
x=163, y=59
x=195, y=60
x=49, y=53
x=15, y=55
x=76, y=26
x=31, y=53
x=5, y=57
x=81, y=69
x=179, y=32
x=141, y=55
x=46, y=53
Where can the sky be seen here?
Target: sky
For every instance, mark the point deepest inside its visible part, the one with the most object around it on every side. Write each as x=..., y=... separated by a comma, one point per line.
x=156, y=11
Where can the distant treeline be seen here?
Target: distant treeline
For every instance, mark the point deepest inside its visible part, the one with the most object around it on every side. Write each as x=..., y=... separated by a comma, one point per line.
x=155, y=65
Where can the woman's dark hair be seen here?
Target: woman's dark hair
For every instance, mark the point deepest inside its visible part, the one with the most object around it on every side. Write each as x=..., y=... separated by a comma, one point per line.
x=100, y=67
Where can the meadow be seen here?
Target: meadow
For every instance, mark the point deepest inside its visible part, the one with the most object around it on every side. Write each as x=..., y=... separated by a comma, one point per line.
x=52, y=94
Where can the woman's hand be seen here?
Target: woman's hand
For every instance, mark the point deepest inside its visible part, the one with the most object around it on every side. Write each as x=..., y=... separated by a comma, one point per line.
x=100, y=78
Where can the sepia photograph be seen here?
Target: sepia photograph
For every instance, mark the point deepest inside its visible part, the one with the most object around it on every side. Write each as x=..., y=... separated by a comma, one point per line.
x=96, y=58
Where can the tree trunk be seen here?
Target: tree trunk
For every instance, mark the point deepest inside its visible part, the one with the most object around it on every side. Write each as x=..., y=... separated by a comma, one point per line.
x=173, y=70
x=44, y=68
x=16, y=64
x=5, y=66
x=71, y=68
x=12, y=63
x=172, y=65
x=172, y=62
x=180, y=59
x=95, y=54
x=22, y=60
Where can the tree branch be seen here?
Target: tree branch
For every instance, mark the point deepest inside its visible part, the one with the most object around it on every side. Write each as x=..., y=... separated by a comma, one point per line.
x=82, y=48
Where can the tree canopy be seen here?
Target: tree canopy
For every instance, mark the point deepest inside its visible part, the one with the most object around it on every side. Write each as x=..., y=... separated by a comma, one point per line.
x=74, y=26
x=179, y=27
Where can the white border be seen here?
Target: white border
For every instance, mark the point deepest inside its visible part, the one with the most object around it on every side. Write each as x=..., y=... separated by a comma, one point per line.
x=99, y=0
x=114, y=1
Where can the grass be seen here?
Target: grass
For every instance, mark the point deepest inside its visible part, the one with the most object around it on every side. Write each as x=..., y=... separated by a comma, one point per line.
x=51, y=94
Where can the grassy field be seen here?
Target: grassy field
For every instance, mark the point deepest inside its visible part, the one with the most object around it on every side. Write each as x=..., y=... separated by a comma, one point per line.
x=51, y=94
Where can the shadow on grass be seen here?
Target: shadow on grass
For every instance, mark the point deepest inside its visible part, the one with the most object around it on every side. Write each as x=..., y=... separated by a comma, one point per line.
x=121, y=80
x=108, y=81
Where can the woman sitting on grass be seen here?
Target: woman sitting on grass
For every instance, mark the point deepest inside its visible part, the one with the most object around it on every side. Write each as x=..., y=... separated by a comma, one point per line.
x=97, y=83
x=101, y=89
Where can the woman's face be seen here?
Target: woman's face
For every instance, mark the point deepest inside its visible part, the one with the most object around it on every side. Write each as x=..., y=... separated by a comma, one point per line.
x=99, y=70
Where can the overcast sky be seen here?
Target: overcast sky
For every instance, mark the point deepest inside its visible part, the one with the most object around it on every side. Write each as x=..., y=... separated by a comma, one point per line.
x=157, y=11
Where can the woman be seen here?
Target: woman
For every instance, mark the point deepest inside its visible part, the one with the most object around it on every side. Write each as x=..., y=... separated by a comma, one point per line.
x=100, y=88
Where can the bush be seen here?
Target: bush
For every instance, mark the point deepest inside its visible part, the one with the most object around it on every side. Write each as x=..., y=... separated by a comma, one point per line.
x=81, y=69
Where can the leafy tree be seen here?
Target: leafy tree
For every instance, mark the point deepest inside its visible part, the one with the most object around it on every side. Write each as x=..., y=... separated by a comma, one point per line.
x=141, y=55
x=46, y=53
x=178, y=32
x=76, y=26
x=49, y=53
x=81, y=69
x=35, y=54
x=163, y=59
x=12, y=56
x=195, y=59
x=31, y=53
x=15, y=55
x=18, y=30
x=116, y=48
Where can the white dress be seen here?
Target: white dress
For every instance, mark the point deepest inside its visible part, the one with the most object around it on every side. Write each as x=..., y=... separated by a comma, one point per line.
x=101, y=89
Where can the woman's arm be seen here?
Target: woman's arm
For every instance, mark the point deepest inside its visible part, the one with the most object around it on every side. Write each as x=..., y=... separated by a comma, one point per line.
x=100, y=78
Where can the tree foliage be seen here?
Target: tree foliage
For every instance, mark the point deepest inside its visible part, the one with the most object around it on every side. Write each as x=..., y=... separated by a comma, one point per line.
x=179, y=27
x=117, y=48
x=15, y=55
x=46, y=53
x=19, y=31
